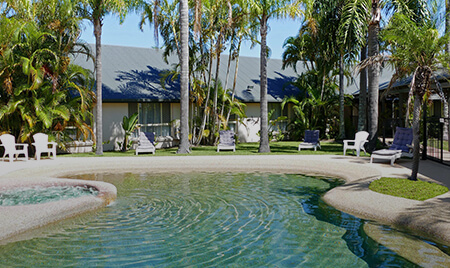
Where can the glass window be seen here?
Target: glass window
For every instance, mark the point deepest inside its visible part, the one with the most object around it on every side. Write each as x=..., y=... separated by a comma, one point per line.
x=277, y=112
x=155, y=117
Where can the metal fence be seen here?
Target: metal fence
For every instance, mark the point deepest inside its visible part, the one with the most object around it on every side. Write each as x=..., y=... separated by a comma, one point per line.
x=436, y=145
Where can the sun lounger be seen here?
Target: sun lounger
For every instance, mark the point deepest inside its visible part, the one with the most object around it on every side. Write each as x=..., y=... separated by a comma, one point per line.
x=226, y=141
x=146, y=143
x=311, y=140
x=388, y=154
x=401, y=146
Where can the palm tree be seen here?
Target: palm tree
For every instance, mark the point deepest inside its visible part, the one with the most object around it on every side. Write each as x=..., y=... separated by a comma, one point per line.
x=364, y=16
x=262, y=11
x=184, y=78
x=415, y=49
x=95, y=11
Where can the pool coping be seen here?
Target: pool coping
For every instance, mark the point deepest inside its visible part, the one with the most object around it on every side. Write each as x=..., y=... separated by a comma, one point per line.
x=430, y=218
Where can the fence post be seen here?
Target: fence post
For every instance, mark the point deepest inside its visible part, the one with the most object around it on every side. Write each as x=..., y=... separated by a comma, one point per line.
x=441, y=137
x=425, y=135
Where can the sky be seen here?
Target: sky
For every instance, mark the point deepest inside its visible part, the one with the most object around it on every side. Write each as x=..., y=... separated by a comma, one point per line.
x=129, y=34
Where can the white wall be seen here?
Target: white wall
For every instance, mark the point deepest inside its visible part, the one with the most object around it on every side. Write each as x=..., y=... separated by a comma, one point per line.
x=248, y=130
x=113, y=114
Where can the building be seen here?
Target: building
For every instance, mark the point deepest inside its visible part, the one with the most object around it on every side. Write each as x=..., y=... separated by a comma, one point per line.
x=131, y=79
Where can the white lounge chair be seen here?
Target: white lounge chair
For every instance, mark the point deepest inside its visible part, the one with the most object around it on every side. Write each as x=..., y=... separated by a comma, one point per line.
x=358, y=143
x=42, y=145
x=388, y=154
x=146, y=143
x=311, y=140
x=401, y=146
x=12, y=148
x=226, y=141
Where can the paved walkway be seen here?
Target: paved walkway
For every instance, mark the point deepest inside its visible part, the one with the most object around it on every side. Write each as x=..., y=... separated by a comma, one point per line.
x=430, y=218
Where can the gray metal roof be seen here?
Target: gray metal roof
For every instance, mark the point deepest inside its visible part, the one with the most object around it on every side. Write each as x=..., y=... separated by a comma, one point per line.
x=131, y=74
x=384, y=80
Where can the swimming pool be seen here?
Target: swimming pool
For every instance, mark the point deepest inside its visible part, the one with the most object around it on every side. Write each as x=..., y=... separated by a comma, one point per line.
x=209, y=220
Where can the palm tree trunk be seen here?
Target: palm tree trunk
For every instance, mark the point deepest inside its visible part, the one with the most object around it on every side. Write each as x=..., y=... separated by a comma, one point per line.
x=208, y=96
x=264, y=133
x=341, y=98
x=373, y=75
x=216, y=86
x=98, y=77
x=416, y=135
x=447, y=22
x=235, y=76
x=362, y=93
x=184, y=78
x=421, y=83
x=447, y=49
x=222, y=110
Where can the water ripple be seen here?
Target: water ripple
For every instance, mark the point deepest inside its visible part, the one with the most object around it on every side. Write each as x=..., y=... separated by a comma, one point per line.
x=199, y=220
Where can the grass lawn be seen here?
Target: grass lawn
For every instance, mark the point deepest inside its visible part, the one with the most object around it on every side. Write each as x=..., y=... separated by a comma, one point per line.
x=417, y=190
x=277, y=148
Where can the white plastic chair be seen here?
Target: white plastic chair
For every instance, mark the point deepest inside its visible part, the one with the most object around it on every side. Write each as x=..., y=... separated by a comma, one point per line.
x=42, y=145
x=358, y=143
x=12, y=148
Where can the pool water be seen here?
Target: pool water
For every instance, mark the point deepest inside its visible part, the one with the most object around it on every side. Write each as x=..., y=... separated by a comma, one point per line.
x=38, y=195
x=208, y=220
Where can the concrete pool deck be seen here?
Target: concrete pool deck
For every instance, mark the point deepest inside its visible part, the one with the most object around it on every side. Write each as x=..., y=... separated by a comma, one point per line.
x=430, y=218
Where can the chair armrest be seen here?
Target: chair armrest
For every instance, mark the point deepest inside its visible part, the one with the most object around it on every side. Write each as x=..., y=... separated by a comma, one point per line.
x=347, y=141
x=25, y=145
x=363, y=142
x=411, y=147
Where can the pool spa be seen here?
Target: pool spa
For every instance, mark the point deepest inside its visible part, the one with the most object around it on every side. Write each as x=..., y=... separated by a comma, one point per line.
x=207, y=219
x=38, y=195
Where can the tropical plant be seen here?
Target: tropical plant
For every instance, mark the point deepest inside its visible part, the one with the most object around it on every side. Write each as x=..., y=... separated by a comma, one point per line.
x=128, y=125
x=415, y=48
x=42, y=91
x=312, y=110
